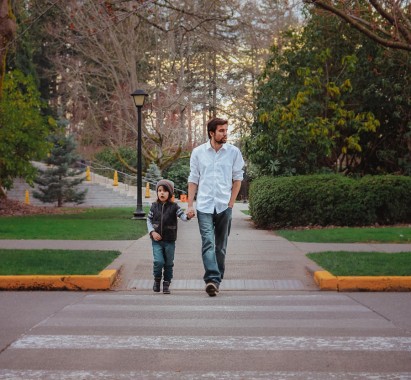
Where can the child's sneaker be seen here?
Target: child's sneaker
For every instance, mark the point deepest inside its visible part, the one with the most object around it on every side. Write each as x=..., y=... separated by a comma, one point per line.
x=166, y=287
x=157, y=283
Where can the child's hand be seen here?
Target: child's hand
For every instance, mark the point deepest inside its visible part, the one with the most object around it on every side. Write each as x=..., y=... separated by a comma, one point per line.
x=190, y=213
x=156, y=236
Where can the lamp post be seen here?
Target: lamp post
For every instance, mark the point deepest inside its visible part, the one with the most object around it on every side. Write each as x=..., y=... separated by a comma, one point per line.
x=139, y=96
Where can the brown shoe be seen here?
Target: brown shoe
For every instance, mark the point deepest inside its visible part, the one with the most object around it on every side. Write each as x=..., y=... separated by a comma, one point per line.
x=212, y=289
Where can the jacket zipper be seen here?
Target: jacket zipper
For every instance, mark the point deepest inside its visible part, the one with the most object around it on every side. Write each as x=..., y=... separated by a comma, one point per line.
x=161, y=219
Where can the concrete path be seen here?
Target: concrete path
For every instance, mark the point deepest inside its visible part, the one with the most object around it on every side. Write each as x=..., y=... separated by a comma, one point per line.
x=256, y=260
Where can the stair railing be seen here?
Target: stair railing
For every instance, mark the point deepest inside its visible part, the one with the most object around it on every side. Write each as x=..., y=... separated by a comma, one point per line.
x=124, y=178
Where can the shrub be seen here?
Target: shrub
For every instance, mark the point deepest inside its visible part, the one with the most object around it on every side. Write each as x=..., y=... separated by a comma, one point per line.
x=330, y=200
x=178, y=172
x=107, y=157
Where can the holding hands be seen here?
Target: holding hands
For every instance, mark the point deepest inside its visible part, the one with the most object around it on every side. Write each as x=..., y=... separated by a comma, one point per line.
x=190, y=212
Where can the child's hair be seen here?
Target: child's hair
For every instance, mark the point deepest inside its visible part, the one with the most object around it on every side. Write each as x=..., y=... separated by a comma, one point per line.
x=169, y=186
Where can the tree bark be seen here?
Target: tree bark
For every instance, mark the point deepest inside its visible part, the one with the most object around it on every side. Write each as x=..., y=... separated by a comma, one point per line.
x=7, y=31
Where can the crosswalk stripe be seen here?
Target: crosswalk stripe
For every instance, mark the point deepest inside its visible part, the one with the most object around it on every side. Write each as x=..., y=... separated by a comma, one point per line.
x=287, y=284
x=320, y=297
x=113, y=323
x=225, y=308
x=184, y=343
x=6, y=374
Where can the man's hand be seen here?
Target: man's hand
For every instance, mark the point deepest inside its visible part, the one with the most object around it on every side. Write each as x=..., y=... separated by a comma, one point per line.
x=191, y=212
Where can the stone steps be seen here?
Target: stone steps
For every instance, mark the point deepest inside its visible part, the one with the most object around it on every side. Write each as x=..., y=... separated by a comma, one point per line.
x=100, y=193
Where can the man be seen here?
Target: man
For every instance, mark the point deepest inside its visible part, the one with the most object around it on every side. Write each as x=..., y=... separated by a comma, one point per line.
x=216, y=172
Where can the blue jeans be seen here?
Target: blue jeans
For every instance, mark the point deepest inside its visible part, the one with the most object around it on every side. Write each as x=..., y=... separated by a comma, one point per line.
x=214, y=231
x=163, y=255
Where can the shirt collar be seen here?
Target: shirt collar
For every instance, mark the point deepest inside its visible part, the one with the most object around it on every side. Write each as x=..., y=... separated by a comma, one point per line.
x=208, y=145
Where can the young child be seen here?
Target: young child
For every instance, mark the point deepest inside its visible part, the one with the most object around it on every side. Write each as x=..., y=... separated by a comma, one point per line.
x=162, y=226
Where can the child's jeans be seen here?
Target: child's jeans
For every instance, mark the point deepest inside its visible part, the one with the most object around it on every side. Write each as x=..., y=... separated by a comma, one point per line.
x=163, y=255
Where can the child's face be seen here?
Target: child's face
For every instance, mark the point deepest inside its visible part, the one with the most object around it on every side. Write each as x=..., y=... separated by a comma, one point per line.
x=162, y=193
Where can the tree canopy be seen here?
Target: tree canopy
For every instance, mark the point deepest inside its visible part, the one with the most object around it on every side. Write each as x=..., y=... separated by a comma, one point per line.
x=23, y=128
x=343, y=108
x=386, y=22
x=195, y=58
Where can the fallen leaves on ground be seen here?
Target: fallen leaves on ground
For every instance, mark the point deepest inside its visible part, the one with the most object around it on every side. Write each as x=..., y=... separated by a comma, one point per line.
x=10, y=207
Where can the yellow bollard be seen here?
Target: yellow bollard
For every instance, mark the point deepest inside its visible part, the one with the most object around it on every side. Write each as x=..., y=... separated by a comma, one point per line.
x=88, y=176
x=27, y=198
x=115, y=181
x=147, y=190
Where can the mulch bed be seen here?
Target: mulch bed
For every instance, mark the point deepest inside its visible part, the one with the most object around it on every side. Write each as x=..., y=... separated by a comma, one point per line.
x=9, y=207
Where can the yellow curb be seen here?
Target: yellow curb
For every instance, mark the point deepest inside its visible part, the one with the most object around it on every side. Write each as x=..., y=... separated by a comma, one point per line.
x=102, y=281
x=326, y=281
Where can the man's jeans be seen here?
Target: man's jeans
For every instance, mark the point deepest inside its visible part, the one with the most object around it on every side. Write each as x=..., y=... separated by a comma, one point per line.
x=214, y=230
x=163, y=255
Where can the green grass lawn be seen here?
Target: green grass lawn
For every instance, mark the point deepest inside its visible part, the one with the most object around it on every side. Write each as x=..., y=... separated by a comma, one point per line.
x=349, y=235
x=54, y=262
x=343, y=263
x=92, y=224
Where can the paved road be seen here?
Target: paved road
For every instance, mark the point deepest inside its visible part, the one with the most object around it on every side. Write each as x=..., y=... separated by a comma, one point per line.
x=188, y=335
x=269, y=322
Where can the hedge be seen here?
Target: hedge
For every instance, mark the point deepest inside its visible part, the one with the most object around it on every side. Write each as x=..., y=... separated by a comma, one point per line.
x=278, y=202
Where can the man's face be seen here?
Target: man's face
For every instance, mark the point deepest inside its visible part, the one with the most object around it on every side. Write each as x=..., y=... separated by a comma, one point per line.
x=220, y=134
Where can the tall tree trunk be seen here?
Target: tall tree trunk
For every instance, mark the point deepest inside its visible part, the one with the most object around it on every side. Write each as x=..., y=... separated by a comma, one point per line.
x=7, y=31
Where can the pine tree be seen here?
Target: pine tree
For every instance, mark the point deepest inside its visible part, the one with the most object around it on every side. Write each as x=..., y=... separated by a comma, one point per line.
x=58, y=182
x=153, y=174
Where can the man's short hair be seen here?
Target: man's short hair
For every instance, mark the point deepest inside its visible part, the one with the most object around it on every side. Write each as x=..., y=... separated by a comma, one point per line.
x=214, y=123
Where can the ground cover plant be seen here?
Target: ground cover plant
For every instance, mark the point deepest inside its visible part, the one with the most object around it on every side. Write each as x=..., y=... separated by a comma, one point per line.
x=90, y=224
x=397, y=234
x=54, y=262
x=343, y=263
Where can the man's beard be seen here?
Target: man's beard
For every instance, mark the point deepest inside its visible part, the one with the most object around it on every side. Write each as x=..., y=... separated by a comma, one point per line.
x=222, y=141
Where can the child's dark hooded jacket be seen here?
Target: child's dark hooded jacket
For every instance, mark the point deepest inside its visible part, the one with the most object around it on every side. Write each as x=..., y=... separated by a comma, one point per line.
x=163, y=218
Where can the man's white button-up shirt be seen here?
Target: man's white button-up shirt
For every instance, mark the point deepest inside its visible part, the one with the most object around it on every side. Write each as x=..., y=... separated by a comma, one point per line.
x=214, y=173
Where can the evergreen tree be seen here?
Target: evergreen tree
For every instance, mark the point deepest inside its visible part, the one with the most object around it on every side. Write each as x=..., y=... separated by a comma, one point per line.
x=58, y=182
x=153, y=174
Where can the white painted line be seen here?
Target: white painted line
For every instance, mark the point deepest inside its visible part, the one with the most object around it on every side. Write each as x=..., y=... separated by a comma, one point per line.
x=244, y=298
x=222, y=308
x=342, y=323
x=290, y=284
x=6, y=374
x=319, y=296
x=194, y=343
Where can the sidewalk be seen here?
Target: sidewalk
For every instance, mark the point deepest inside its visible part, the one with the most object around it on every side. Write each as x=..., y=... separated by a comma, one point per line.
x=256, y=260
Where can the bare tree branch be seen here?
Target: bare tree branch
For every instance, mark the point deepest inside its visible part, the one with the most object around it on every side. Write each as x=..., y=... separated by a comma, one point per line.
x=393, y=29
